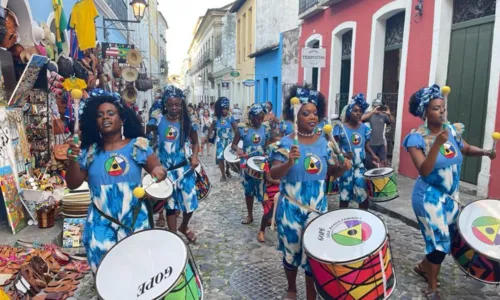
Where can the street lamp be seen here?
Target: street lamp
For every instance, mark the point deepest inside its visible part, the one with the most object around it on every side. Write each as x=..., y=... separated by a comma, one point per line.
x=138, y=6
x=199, y=77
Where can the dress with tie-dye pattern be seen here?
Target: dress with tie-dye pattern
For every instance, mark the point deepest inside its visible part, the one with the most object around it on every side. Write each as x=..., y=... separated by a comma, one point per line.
x=433, y=195
x=286, y=127
x=302, y=195
x=112, y=177
x=352, y=184
x=175, y=158
x=225, y=134
x=254, y=142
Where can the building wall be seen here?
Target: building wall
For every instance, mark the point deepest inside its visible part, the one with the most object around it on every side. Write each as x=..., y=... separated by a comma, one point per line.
x=226, y=62
x=268, y=79
x=245, y=45
x=289, y=60
x=274, y=17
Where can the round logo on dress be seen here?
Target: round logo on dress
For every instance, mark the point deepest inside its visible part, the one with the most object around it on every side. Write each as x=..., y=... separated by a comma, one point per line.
x=351, y=233
x=355, y=139
x=486, y=229
x=255, y=138
x=312, y=164
x=116, y=165
x=223, y=122
x=448, y=150
x=171, y=133
x=318, y=130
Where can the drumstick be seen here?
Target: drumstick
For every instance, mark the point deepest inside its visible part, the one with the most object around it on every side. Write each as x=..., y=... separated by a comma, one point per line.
x=139, y=192
x=296, y=107
x=76, y=94
x=445, y=90
x=328, y=129
x=495, y=136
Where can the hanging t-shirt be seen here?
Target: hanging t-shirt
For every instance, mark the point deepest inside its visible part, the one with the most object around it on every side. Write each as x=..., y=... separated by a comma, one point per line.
x=82, y=20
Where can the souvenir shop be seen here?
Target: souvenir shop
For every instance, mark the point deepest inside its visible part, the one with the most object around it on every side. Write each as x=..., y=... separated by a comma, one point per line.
x=46, y=75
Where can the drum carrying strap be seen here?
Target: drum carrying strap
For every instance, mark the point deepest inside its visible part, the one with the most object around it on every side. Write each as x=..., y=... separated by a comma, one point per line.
x=135, y=214
x=276, y=200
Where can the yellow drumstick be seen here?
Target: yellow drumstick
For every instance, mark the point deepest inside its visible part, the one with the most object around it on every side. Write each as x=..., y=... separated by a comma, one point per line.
x=328, y=129
x=445, y=90
x=295, y=102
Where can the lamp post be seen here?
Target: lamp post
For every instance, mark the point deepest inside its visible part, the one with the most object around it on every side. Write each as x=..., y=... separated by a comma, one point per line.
x=139, y=7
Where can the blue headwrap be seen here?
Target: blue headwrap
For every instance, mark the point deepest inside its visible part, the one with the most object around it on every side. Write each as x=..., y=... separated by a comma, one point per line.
x=256, y=109
x=358, y=100
x=424, y=97
x=100, y=92
x=307, y=96
x=171, y=91
x=224, y=102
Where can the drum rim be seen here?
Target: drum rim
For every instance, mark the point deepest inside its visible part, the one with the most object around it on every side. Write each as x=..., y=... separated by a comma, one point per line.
x=159, y=199
x=397, y=196
x=381, y=175
x=230, y=161
x=348, y=261
x=206, y=196
x=140, y=232
x=465, y=240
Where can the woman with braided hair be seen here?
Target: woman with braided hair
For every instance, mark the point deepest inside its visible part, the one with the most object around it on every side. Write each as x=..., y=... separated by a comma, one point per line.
x=437, y=149
x=175, y=131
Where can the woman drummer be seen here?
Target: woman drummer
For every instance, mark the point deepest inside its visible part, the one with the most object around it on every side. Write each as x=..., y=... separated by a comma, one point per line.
x=224, y=126
x=178, y=152
x=302, y=189
x=437, y=149
x=110, y=158
x=255, y=136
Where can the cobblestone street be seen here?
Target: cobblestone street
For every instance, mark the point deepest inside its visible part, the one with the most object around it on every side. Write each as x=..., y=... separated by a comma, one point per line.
x=235, y=266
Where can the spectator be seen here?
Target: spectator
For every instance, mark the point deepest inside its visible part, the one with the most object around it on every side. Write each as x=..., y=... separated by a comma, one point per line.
x=236, y=113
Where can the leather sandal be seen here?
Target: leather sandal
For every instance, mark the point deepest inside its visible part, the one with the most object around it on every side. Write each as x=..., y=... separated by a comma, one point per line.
x=66, y=280
x=63, y=287
x=69, y=274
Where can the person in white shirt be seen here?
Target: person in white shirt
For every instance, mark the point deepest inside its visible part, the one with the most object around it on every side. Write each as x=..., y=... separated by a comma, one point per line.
x=206, y=123
x=236, y=112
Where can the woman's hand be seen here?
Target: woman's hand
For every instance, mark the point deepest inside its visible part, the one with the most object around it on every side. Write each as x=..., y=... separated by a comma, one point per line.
x=491, y=154
x=240, y=153
x=194, y=162
x=159, y=173
x=347, y=164
x=376, y=159
x=294, y=154
x=442, y=137
x=74, y=150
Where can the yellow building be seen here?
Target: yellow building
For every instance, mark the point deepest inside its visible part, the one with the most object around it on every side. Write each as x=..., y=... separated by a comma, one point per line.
x=245, y=45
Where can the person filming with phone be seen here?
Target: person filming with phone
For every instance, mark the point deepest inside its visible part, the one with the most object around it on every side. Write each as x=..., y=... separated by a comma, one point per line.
x=378, y=118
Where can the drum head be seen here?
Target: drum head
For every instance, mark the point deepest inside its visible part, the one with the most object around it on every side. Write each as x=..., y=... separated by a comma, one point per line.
x=256, y=162
x=160, y=190
x=378, y=172
x=479, y=225
x=230, y=155
x=145, y=265
x=344, y=235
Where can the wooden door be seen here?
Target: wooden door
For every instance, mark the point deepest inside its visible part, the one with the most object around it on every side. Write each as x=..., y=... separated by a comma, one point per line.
x=468, y=77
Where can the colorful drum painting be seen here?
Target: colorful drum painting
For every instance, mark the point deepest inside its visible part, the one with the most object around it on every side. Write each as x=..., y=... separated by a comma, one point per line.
x=476, y=247
x=189, y=285
x=350, y=255
x=332, y=185
x=382, y=184
x=203, y=186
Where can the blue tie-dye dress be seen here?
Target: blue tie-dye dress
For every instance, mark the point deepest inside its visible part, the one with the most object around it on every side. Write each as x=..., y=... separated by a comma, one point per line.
x=112, y=177
x=352, y=183
x=254, y=142
x=175, y=158
x=432, y=197
x=225, y=134
x=286, y=127
x=302, y=195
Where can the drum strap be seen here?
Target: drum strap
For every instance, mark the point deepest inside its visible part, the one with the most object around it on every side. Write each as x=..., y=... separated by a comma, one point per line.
x=308, y=208
x=135, y=214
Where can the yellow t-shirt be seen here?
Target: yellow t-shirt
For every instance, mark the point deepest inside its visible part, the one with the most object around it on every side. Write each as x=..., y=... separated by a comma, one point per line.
x=82, y=20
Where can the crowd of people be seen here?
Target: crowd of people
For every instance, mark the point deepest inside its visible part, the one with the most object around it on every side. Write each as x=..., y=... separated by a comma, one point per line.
x=298, y=158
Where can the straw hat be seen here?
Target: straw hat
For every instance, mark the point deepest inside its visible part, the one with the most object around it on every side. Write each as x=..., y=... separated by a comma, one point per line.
x=129, y=94
x=47, y=35
x=38, y=33
x=130, y=74
x=134, y=57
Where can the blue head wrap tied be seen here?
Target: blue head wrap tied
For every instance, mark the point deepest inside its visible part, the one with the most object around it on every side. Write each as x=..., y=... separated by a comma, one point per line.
x=256, y=109
x=424, y=97
x=171, y=91
x=224, y=102
x=100, y=92
x=358, y=100
x=307, y=96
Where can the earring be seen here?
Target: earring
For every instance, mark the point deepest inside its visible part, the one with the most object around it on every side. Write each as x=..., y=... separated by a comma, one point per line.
x=123, y=136
x=100, y=135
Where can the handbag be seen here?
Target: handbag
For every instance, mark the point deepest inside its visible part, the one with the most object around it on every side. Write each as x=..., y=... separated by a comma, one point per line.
x=143, y=83
x=65, y=66
x=117, y=71
x=61, y=151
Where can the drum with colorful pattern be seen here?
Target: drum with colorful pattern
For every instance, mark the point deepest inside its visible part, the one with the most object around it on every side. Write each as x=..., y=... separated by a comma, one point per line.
x=350, y=255
x=203, y=185
x=256, y=167
x=476, y=247
x=382, y=184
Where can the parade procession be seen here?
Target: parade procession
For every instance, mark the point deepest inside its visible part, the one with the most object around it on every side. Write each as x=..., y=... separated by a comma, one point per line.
x=249, y=149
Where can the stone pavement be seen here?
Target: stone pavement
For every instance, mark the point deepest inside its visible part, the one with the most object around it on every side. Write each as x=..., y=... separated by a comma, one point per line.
x=227, y=251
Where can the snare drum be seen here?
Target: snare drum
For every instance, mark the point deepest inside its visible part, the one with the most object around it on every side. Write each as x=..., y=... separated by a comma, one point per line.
x=150, y=264
x=158, y=192
x=382, y=184
x=232, y=158
x=350, y=255
x=475, y=247
x=203, y=186
x=255, y=167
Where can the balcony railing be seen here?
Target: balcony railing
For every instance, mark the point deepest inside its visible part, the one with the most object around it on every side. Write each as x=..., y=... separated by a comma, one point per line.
x=341, y=101
x=391, y=101
x=304, y=5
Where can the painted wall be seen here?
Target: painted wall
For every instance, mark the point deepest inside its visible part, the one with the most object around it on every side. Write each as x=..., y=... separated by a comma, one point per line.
x=494, y=190
x=268, y=79
x=289, y=61
x=274, y=17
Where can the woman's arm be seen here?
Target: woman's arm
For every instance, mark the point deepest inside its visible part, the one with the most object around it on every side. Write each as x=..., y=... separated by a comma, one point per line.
x=424, y=164
x=196, y=148
x=75, y=176
x=280, y=169
x=470, y=150
x=270, y=179
x=154, y=167
x=370, y=151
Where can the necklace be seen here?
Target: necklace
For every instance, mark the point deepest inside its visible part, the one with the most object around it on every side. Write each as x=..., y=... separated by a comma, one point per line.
x=173, y=117
x=305, y=134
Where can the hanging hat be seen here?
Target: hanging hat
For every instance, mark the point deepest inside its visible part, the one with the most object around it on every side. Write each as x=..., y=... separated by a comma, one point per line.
x=134, y=57
x=46, y=34
x=129, y=94
x=38, y=33
x=130, y=74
